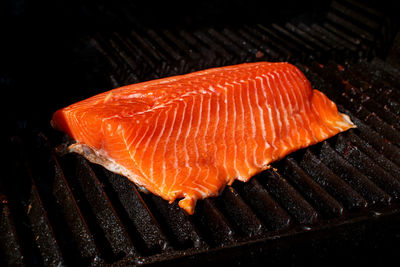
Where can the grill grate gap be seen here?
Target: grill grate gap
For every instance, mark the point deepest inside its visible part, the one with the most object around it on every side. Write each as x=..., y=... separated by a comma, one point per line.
x=246, y=223
x=105, y=216
x=337, y=187
x=289, y=198
x=372, y=153
x=95, y=209
x=357, y=180
x=215, y=228
x=314, y=193
x=133, y=212
x=259, y=199
x=10, y=248
x=368, y=166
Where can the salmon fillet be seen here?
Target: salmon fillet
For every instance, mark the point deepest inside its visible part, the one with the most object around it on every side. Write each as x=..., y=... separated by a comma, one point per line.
x=186, y=137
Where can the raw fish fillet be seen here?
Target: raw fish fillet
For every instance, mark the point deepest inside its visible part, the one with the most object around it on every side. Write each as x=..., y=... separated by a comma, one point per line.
x=190, y=135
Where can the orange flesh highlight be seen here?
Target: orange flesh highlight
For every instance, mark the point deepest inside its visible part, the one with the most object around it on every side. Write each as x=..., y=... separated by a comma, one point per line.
x=188, y=136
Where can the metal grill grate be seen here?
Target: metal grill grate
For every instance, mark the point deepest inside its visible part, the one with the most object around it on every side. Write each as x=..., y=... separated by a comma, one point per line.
x=63, y=210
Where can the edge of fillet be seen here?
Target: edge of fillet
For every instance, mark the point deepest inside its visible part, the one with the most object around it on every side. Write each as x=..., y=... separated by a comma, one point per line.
x=187, y=202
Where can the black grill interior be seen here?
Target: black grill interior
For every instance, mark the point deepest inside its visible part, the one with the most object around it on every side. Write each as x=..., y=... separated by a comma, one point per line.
x=333, y=203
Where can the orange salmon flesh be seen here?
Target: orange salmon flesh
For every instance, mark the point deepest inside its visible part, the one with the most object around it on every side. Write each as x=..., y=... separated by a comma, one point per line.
x=186, y=137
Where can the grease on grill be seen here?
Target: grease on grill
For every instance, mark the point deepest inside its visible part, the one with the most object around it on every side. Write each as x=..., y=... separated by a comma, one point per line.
x=59, y=209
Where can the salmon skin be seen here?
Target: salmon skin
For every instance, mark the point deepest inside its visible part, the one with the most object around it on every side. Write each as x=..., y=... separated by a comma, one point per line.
x=186, y=137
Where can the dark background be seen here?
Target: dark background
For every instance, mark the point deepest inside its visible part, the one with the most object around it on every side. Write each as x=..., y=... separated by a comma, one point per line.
x=46, y=62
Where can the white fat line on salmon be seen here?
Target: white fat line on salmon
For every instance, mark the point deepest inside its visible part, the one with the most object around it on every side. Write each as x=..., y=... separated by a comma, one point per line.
x=260, y=116
x=265, y=102
x=234, y=128
x=291, y=108
x=155, y=128
x=163, y=185
x=325, y=116
x=176, y=165
x=134, y=161
x=215, y=135
x=224, y=134
x=186, y=136
x=252, y=120
x=208, y=99
x=283, y=92
x=295, y=110
x=277, y=117
x=239, y=90
x=155, y=146
x=303, y=109
x=108, y=97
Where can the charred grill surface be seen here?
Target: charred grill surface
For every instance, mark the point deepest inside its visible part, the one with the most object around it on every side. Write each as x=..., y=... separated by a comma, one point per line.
x=63, y=210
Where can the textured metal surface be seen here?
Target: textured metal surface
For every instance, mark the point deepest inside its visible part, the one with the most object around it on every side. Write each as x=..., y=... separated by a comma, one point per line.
x=341, y=193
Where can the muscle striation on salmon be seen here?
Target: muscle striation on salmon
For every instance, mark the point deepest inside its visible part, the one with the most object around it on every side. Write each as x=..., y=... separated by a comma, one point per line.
x=186, y=137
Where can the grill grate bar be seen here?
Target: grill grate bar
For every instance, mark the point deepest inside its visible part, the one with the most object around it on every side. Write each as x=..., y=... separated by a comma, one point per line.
x=364, y=146
x=379, y=88
x=73, y=216
x=370, y=118
x=335, y=38
x=292, y=38
x=349, y=38
x=42, y=230
x=350, y=27
x=288, y=44
x=378, y=76
x=263, y=46
x=245, y=45
x=374, y=121
x=120, y=68
x=240, y=214
x=233, y=48
x=359, y=6
x=215, y=46
x=259, y=199
x=18, y=195
x=146, y=45
x=309, y=37
x=133, y=212
x=162, y=44
x=182, y=232
x=266, y=38
x=110, y=221
x=353, y=14
x=364, y=97
x=105, y=214
x=372, y=137
x=146, y=67
x=196, y=45
x=131, y=67
x=181, y=44
x=337, y=187
x=368, y=166
x=383, y=113
x=356, y=179
x=316, y=195
x=215, y=228
x=10, y=249
x=113, y=62
x=208, y=56
x=325, y=40
x=289, y=198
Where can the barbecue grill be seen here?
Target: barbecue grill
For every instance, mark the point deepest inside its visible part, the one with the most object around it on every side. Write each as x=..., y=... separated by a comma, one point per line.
x=333, y=203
